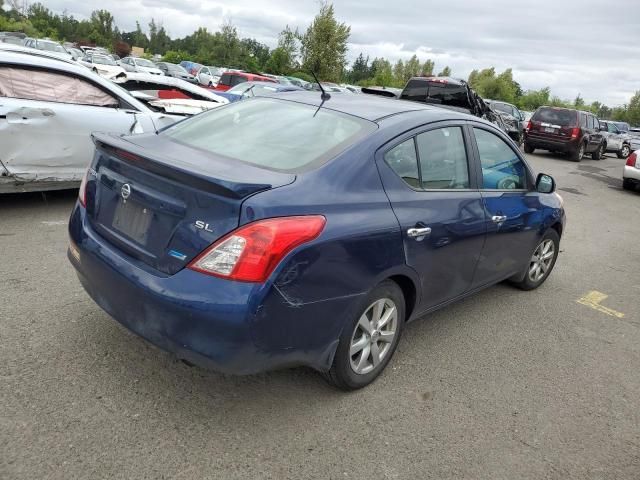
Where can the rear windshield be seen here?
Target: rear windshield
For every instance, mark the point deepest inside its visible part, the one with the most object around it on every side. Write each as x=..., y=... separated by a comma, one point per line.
x=278, y=135
x=556, y=116
x=503, y=107
x=232, y=79
x=438, y=93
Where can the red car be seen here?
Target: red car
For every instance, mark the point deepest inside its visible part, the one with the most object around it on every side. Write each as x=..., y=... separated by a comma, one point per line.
x=231, y=79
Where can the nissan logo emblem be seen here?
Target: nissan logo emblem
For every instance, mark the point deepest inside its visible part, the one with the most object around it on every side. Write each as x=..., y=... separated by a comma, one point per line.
x=125, y=191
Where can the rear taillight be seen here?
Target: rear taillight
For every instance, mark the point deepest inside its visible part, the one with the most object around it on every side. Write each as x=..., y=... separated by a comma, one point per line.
x=575, y=132
x=252, y=252
x=82, y=193
x=632, y=159
x=528, y=127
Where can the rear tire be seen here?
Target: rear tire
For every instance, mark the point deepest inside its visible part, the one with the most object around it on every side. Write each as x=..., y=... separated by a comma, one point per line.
x=528, y=148
x=577, y=155
x=599, y=152
x=357, y=362
x=624, y=152
x=539, y=267
x=628, y=184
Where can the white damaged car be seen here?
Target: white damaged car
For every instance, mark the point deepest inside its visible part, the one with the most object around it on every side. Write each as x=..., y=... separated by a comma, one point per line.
x=103, y=65
x=169, y=94
x=48, y=110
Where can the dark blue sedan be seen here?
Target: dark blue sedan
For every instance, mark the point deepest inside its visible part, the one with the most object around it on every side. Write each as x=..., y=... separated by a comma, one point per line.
x=277, y=232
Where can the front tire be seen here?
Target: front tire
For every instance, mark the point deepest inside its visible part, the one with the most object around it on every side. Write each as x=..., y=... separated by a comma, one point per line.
x=541, y=262
x=528, y=148
x=369, y=338
x=624, y=152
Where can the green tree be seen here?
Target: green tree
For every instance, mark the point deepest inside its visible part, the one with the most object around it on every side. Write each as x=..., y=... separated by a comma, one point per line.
x=279, y=62
x=383, y=72
x=360, y=69
x=579, y=102
x=411, y=68
x=427, y=68
x=324, y=45
x=227, y=50
x=398, y=72
x=446, y=72
x=532, y=99
x=633, y=110
x=175, y=56
x=102, y=27
x=283, y=58
x=498, y=87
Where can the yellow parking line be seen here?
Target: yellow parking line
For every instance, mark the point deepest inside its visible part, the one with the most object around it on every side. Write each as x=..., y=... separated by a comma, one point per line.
x=593, y=299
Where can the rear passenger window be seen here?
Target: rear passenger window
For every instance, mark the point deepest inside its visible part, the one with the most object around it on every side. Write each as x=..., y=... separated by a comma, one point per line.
x=403, y=160
x=443, y=159
x=583, y=120
x=502, y=169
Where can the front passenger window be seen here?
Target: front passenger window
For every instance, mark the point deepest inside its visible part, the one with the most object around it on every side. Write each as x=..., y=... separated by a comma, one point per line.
x=51, y=86
x=502, y=169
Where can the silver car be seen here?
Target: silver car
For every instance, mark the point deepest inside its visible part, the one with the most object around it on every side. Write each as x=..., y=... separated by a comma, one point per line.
x=616, y=141
x=47, y=46
x=209, y=76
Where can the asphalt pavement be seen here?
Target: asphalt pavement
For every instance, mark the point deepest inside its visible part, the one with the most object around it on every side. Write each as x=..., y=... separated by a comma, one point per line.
x=503, y=385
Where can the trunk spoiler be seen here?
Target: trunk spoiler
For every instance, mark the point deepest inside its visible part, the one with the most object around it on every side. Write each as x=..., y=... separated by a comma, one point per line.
x=204, y=176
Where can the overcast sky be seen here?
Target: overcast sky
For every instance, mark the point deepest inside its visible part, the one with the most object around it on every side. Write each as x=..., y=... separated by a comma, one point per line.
x=573, y=46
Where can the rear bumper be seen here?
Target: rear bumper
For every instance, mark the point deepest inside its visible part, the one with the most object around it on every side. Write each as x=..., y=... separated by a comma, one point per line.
x=631, y=173
x=231, y=327
x=551, y=144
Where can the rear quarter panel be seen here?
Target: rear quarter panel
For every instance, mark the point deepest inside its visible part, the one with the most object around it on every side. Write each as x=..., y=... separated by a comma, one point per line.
x=320, y=285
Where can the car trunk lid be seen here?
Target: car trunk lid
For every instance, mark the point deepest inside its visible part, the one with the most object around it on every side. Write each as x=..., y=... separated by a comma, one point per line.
x=162, y=202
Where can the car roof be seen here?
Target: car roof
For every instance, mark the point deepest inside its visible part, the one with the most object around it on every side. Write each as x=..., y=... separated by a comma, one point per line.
x=488, y=100
x=275, y=85
x=32, y=52
x=433, y=78
x=369, y=107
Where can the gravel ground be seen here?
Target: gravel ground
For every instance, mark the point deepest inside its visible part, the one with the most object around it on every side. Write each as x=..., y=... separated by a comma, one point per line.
x=503, y=385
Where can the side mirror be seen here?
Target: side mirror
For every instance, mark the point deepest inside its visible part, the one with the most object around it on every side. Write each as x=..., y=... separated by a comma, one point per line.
x=603, y=128
x=545, y=183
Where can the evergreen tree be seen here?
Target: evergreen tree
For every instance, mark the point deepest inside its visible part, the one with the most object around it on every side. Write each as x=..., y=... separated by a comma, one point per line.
x=324, y=45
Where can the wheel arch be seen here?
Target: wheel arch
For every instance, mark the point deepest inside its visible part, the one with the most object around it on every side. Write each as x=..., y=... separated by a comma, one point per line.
x=409, y=291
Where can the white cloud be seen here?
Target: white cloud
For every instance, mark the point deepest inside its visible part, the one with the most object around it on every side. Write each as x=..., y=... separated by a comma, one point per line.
x=573, y=46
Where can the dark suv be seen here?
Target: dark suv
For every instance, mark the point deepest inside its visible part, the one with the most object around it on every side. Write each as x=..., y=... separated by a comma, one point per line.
x=564, y=130
x=450, y=93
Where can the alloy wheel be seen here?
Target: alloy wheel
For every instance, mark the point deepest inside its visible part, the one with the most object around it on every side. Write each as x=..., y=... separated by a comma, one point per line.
x=541, y=260
x=625, y=151
x=373, y=336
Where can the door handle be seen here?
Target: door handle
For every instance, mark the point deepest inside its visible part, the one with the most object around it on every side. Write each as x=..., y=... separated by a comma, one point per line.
x=498, y=218
x=418, y=232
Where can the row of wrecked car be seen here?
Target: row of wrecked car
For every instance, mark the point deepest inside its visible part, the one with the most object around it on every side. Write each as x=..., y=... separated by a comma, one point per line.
x=50, y=106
